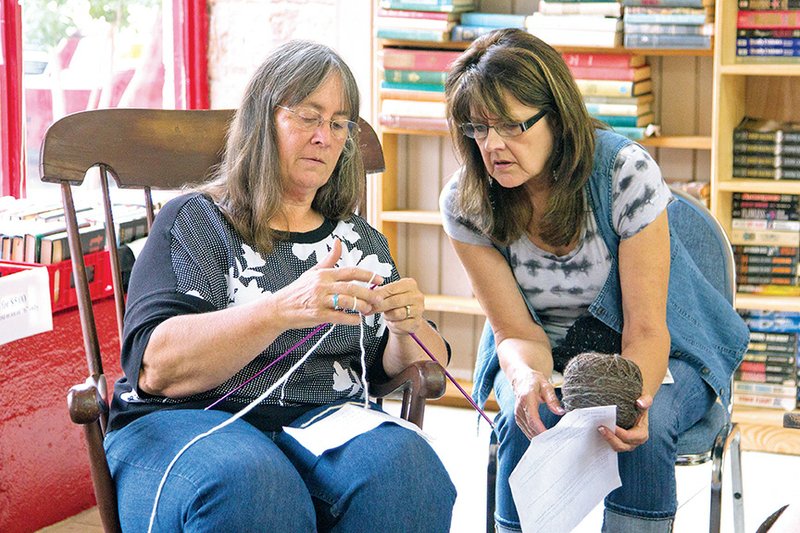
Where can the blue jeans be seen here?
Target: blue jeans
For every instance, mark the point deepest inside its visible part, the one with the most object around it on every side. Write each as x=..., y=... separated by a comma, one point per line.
x=646, y=502
x=241, y=479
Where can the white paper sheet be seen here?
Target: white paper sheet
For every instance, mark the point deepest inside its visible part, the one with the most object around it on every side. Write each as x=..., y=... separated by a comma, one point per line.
x=566, y=472
x=24, y=304
x=348, y=422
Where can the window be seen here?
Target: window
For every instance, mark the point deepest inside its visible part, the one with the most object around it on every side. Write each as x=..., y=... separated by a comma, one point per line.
x=63, y=56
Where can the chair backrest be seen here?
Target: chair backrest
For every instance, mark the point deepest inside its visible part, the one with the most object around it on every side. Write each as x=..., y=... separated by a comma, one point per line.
x=705, y=240
x=146, y=149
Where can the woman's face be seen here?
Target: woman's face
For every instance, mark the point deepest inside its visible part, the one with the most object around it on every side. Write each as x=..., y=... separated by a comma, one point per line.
x=512, y=161
x=309, y=151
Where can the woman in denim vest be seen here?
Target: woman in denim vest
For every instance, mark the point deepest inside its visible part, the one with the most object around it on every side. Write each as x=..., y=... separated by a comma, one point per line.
x=562, y=228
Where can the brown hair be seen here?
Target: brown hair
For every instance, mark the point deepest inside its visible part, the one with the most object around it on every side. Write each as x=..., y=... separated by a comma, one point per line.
x=247, y=185
x=519, y=64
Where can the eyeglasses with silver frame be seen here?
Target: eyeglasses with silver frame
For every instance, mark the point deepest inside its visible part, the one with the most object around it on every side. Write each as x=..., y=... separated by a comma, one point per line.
x=478, y=131
x=309, y=119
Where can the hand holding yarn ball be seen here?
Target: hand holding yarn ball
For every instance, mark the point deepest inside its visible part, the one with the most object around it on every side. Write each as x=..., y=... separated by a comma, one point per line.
x=592, y=379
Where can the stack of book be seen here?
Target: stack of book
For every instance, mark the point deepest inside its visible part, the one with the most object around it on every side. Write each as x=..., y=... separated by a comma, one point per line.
x=475, y=24
x=768, y=29
x=674, y=24
x=419, y=20
x=767, y=376
x=41, y=237
x=765, y=233
x=412, y=89
x=616, y=89
x=578, y=23
x=766, y=149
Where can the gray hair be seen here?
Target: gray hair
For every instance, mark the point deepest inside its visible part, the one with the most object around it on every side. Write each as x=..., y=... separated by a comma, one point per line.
x=247, y=185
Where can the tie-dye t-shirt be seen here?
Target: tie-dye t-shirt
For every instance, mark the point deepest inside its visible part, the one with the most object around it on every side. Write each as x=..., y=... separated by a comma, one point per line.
x=194, y=262
x=561, y=288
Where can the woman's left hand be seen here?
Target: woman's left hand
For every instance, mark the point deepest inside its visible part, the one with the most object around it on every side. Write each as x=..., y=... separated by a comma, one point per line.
x=402, y=305
x=626, y=440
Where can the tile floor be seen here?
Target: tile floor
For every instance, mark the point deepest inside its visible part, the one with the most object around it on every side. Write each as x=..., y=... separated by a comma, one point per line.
x=769, y=481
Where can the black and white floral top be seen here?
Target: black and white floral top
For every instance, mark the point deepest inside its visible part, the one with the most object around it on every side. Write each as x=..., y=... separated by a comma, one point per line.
x=195, y=262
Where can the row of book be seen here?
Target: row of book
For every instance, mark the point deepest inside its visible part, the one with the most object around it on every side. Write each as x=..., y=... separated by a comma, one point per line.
x=765, y=234
x=768, y=30
x=616, y=88
x=38, y=234
x=766, y=149
x=647, y=23
x=768, y=375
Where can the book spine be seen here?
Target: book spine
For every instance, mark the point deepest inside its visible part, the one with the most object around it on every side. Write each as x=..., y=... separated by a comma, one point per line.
x=766, y=51
x=644, y=40
x=763, y=388
x=670, y=29
x=445, y=6
x=767, y=148
x=605, y=73
x=432, y=87
x=585, y=59
x=767, y=19
x=429, y=77
x=663, y=3
x=495, y=20
x=775, y=136
x=413, y=123
x=766, y=161
x=390, y=23
x=605, y=87
x=783, y=225
x=665, y=18
x=764, y=238
x=461, y=33
x=608, y=9
x=630, y=122
x=410, y=34
x=405, y=59
x=769, y=4
x=753, y=400
x=765, y=197
x=783, y=33
x=630, y=110
x=769, y=290
x=765, y=173
x=403, y=13
x=752, y=270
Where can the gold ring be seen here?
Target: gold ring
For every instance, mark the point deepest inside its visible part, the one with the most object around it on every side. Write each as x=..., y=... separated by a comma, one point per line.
x=408, y=312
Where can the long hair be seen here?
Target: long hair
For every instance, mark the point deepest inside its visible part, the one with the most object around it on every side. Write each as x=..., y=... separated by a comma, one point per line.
x=247, y=186
x=514, y=62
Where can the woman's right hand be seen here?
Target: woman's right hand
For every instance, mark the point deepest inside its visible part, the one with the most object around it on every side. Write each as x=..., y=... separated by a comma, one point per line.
x=532, y=388
x=309, y=300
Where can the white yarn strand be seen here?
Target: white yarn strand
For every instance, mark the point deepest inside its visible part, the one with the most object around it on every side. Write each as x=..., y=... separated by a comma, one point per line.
x=364, y=364
x=230, y=420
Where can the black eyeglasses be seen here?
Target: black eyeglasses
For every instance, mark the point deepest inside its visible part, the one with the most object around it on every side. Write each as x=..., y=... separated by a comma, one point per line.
x=478, y=131
x=309, y=119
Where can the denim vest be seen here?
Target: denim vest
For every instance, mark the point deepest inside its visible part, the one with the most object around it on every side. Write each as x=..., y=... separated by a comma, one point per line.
x=705, y=330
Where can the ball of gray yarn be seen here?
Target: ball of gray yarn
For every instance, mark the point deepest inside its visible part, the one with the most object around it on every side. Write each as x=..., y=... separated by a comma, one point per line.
x=592, y=379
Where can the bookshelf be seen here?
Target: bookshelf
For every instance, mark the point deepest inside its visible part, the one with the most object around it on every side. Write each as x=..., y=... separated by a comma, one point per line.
x=406, y=211
x=761, y=90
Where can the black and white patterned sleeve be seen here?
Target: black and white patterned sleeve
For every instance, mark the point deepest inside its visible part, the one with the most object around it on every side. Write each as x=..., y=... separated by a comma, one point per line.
x=639, y=191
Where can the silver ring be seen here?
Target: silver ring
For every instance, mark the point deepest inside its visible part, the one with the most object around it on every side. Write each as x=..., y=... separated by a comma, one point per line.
x=355, y=303
x=336, y=302
x=408, y=312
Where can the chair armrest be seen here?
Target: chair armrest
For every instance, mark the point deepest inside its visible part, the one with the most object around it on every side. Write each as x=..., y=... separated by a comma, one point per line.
x=425, y=378
x=85, y=403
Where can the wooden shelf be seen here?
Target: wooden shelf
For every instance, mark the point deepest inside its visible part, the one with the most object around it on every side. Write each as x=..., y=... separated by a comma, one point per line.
x=761, y=69
x=776, y=303
x=412, y=217
x=762, y=430
x=767, y=186
x=690, y=142
x=453, y=304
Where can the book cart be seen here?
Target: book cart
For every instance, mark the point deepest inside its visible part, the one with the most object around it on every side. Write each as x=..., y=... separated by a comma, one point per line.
x=760, y=88
x=402, y=202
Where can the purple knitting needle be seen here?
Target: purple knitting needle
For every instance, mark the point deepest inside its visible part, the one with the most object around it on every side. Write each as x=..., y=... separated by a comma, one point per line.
x=453, y=381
